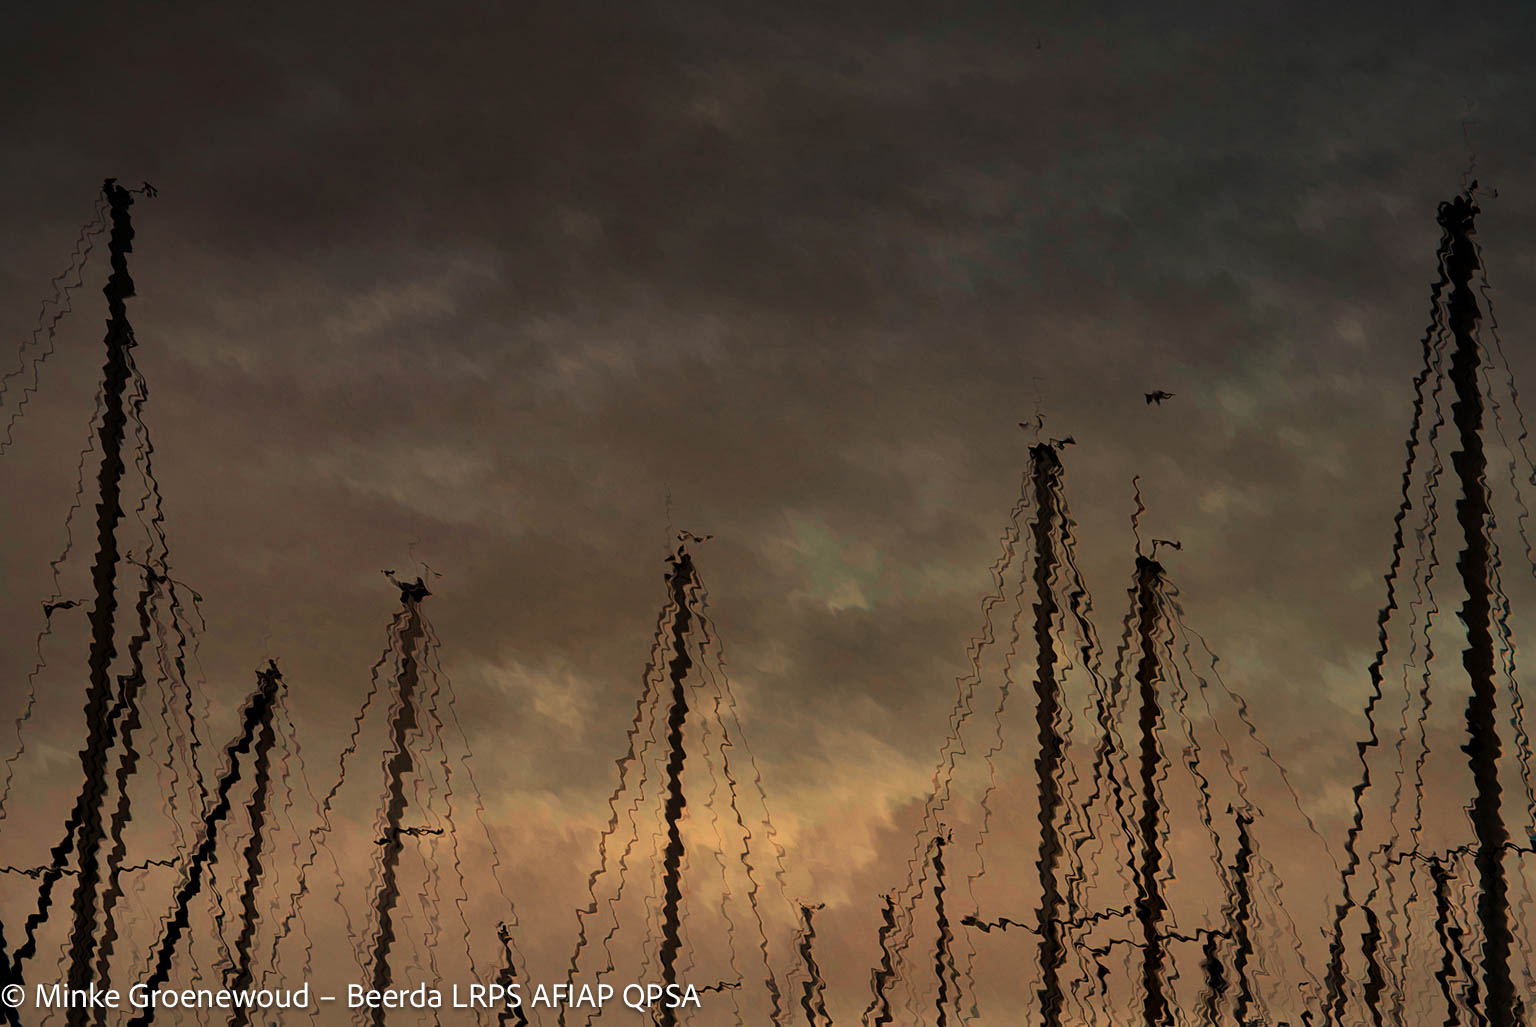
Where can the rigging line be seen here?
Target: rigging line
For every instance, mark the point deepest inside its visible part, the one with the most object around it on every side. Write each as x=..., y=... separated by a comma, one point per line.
x=239, y=975
x=1191, y=758
x=645, y=713
x=953, y=747
x=1399, y=942
x=436, y=734
x=1433, y=339
x=44, y=333
x=906, y=937
x=966, y=686
x=652, y=741
x=1107, y=711
x=709, y=689
x=168, y=775
x=431, y=755
x=1005, y=692
x=651, y=718
x=1522, y=736
x=293, y=757
x=1425, y=569
x=1250, y=727
x=1080, y=607
x=52, y=605
x=1521, y=440
x=738, y=733
x=466, y=764
x=718, y=675
x=319, y=834
x=1106, y=767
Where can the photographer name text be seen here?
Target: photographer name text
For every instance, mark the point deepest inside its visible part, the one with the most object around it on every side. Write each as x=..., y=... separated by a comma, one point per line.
x=477, y=995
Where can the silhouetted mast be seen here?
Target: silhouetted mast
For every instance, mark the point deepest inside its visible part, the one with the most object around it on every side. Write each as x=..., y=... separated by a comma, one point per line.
x=813, y=993
x=1150, y=904
x=241, y=973
x=1047, y=473
x=681, y=579
x=1446, y=935
x=1456, y=217
x=401, y=763
x=1242, y=916
x=879, y=1012
x=255, y=719
x=943, y=959
x=86, y=819
x=1238, y=915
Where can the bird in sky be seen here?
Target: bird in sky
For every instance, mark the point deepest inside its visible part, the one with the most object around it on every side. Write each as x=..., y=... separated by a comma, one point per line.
x=1157, y=397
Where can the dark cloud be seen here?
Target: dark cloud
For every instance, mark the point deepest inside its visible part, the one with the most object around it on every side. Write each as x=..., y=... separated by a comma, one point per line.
x=481, y=283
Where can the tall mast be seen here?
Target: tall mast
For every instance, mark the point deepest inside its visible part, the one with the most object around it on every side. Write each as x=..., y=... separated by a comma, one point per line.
x=1047, y=473
x=942, y=957
x=813, y=998
x=255, y=720
x=240, y=975
x=1238, y=917
x=681, y=578
x=400, y=764
x=1242, y=916
x=1445, y=933
x=1457, y=217
x=879, y=1012
x=1150, y=904
x=86, y=817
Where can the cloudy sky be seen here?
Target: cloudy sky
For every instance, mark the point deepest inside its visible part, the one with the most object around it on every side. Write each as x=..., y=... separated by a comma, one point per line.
x=482, y=285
